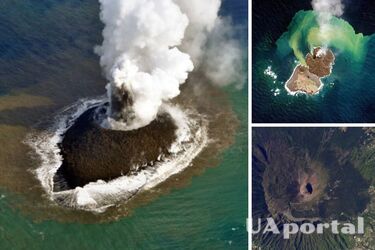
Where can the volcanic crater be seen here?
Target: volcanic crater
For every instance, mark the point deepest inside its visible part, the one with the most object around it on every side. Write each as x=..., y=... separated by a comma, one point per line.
x=91, y=152
x=301, y=182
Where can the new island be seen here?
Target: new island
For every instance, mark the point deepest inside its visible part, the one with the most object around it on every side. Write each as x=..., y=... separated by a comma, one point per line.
x=307, y=78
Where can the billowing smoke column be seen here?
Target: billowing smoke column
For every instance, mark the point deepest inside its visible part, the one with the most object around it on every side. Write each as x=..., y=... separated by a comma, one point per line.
x=210, y=41
x=149, y=48
x=140, y=58
x=326, y=9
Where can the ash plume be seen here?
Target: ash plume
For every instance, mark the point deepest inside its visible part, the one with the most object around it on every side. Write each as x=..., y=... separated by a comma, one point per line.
x=149, y=48
x=326, y=9
x=210, y=41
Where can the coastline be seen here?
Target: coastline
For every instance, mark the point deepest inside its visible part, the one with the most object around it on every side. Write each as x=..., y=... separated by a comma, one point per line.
x=192, y=138
x=291, y=92
x=312, y=75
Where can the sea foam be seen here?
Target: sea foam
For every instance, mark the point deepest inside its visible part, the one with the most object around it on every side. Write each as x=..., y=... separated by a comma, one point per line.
x=192, y=137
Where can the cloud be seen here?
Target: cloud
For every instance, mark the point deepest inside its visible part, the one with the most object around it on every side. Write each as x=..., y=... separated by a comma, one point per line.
x=149, y=48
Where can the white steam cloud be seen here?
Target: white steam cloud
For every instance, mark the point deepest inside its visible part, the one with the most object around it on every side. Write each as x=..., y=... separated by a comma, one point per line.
x=149, y=48
x=209, y=40
x=326, y=9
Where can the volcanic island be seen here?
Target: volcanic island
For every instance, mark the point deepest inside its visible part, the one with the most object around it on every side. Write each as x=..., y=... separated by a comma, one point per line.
x=94, y=153
x=91, y=152
x=307, y=78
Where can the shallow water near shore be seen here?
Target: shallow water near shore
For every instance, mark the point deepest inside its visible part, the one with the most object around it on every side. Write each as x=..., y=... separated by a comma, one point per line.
x=44, y=70
x=347, y=94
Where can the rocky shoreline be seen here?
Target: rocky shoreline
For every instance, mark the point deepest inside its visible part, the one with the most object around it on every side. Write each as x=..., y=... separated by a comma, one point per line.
x=91, y=152
x=307, y=78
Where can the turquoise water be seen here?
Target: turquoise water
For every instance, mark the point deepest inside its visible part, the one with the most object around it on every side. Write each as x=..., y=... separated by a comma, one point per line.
x=348, y=93
x=46, y=51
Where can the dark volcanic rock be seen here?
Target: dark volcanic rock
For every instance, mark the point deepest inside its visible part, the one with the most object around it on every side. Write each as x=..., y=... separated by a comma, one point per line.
x=307, y=175
x=320, y=65
x=91, y=152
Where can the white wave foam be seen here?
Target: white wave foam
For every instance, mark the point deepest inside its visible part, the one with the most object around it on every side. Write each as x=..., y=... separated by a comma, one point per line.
x=293, y=93
x=97, y=196
x=269, y=72
x=276, y=91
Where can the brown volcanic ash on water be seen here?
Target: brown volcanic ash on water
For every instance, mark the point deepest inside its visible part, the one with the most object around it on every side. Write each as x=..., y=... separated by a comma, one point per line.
x=111, y=149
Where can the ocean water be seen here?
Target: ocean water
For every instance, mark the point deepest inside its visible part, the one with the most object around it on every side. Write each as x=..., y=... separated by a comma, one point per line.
x=348, y=93
x=46, y=63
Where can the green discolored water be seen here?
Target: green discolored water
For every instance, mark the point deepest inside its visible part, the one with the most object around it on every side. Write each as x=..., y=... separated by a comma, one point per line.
x=304, y=33
x=347, y=94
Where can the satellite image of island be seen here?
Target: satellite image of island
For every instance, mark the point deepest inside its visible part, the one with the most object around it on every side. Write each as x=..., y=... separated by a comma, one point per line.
x=123, y=124
x=315, y=177
x=313, y=61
